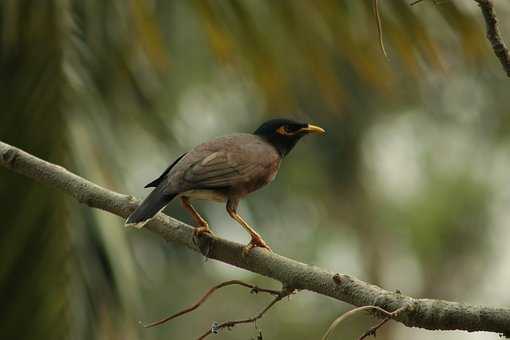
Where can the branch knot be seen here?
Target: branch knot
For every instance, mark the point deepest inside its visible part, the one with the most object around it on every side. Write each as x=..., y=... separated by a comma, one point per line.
x=9, y=156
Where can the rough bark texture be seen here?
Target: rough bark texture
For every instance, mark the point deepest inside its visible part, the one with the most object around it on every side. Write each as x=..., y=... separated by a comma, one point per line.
x=423, y=313
x=493, y=34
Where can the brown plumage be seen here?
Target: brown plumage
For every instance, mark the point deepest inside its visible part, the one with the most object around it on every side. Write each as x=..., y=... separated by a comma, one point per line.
x=224, y=169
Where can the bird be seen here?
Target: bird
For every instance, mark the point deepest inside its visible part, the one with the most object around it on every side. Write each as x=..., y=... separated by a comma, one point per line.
x=224, y=169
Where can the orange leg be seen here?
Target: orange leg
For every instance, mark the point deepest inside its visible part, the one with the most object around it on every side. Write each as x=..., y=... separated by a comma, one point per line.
x=256, y=239
x=203, y=226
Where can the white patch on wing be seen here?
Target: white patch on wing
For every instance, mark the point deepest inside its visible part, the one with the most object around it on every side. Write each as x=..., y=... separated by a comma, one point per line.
x=209, y=159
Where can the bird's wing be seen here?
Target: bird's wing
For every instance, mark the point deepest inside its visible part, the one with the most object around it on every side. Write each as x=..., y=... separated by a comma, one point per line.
x=162, y=177
x=220, y=169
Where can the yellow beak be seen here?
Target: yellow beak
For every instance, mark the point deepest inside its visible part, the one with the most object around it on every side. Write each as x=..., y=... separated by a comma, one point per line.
x=314, y=129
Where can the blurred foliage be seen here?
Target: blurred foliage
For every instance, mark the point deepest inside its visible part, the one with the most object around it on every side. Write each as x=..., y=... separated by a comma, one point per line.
x=34, y=240
x=407, y=189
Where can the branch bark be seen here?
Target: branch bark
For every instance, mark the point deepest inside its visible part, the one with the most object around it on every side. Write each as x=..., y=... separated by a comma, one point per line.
x=423, y=313
x=493, y=34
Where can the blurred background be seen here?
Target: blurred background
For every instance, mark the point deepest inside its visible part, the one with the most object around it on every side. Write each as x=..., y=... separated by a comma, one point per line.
x=408, y=190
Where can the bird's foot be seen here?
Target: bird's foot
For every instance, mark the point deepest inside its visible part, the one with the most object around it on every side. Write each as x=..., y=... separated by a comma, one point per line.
x=203, y=244
x=256, y=242
x=204, y=229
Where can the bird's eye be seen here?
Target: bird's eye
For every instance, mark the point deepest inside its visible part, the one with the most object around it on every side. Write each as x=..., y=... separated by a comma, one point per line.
x=285, y=130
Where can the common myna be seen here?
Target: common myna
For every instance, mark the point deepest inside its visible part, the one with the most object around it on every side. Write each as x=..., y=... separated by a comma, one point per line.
x=224, y=169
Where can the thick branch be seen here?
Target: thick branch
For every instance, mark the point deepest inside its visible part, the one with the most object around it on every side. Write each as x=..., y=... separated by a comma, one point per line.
x=423, y=313
x=491, y=23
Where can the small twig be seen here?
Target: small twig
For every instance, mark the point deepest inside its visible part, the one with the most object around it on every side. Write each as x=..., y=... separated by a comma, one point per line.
x=493, y=34
x=229, y=324
x=436, y=2
x=347, y=314
x=197, y=304
x=375, y=4
x=373, y=329
x=415, y=2
x=381, y=323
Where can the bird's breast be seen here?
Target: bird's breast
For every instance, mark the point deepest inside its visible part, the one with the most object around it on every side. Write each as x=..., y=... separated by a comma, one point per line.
x=257, y=180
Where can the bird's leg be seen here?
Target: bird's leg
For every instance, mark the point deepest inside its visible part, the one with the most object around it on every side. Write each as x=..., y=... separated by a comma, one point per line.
x=203, y=226
x=256, y=239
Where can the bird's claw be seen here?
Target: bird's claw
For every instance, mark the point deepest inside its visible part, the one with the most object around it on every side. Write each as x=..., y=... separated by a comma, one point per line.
x=203, y=244
x=256, y=242
x=198, y=231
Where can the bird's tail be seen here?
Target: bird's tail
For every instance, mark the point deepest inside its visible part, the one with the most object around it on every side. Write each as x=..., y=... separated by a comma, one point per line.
x=150, y=206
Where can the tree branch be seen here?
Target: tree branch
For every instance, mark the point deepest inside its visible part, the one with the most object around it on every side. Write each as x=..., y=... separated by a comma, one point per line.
x=254, y=289
x=373, y=329
x=231, y=323
x=351, y=312
x=423, y=313
x=375, y=8
x=493, y=34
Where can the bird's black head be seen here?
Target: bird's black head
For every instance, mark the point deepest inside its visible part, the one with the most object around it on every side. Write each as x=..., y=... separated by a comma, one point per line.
x=283, y=134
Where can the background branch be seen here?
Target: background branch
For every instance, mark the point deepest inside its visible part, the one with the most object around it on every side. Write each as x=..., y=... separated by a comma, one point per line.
x=254, y=289
x=231, y=323
x=423, y=313
x=373, y=329
x=351, y=312
x=375, y=5
x=494, y=35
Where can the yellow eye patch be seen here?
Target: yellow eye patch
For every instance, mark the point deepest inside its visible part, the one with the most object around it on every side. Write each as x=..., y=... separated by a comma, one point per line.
x=307, y=129
x=282, y=131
